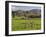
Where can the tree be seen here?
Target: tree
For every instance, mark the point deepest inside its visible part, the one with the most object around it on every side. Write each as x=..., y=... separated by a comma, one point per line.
x=13, y=14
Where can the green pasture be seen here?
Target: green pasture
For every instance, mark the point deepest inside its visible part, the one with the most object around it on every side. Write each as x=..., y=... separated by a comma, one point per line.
x=21, y=24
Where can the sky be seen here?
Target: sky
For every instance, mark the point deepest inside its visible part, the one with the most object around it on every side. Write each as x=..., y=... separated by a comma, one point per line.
x=24, y=8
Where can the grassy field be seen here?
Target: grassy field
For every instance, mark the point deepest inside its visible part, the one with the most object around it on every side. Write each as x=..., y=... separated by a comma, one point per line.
x=32, y=24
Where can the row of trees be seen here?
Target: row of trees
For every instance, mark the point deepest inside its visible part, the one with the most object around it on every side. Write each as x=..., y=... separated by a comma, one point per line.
x=28, y=14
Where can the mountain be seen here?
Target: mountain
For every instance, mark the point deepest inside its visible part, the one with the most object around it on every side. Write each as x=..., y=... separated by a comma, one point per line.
x=36, y=10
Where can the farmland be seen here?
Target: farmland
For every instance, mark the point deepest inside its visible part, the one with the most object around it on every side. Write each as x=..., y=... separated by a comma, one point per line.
x=26, y=20
x=21, y=24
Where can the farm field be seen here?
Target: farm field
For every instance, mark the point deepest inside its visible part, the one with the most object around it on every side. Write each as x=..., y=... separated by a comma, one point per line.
x=21, y=24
